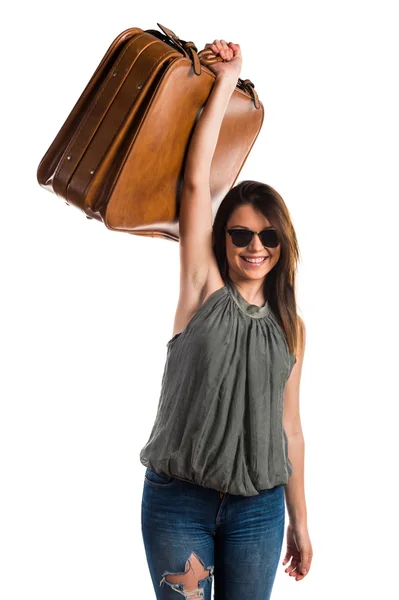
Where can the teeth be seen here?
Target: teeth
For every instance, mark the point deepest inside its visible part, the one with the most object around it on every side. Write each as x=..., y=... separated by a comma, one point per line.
x=255, y=260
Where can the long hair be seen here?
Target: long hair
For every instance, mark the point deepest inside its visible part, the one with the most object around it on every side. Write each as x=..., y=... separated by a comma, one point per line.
x=279, y=284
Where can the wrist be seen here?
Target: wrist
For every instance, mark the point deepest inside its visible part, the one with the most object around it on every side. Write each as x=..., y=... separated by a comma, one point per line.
x=298, y=525
x=226, y=79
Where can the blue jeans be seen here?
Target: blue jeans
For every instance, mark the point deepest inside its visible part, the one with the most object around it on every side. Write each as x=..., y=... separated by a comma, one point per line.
x=193, y=535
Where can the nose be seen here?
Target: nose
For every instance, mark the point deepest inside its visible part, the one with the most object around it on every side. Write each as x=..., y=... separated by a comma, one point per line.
x=256, y=243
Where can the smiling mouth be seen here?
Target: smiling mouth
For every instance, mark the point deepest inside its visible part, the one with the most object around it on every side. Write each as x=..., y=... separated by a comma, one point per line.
x=255, y=261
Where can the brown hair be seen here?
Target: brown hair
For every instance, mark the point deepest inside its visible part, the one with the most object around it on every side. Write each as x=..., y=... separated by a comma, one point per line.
x=279, y=284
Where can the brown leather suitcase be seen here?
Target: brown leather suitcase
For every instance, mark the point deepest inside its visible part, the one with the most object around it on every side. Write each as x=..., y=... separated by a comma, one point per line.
x=119, y=156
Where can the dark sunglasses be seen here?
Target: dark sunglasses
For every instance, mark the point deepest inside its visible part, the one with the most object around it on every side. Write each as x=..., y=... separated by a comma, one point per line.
x=243, y=237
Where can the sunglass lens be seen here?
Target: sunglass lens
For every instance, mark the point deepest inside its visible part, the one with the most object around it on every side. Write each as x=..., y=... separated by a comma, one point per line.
x=241, y=237
x=269, y=238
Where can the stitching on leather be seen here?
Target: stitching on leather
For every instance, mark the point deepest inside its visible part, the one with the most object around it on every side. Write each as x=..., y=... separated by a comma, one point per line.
x=99, y=94
x=122, y=165
x=110, y=143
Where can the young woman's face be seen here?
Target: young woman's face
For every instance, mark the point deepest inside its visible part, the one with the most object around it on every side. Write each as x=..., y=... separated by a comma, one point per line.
x=246, y=217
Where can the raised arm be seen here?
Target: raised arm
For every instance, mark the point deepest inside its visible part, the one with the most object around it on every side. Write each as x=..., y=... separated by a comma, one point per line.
x=195, y=222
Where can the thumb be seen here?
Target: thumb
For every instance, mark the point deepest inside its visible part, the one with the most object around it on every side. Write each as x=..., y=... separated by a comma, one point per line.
x=304, y=563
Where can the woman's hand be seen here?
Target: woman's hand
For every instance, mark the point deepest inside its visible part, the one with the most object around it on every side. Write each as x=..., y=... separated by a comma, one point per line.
x=230, y=53
x=299, y=549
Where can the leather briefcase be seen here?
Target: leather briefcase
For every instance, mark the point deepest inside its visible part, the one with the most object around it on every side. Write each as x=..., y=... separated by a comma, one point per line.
x=119, y=156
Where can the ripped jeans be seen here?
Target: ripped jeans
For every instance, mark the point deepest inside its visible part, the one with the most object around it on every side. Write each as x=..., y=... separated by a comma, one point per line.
x=194, y=536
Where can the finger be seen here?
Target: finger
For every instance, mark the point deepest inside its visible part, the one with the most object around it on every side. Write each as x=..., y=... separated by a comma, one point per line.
x=217, y=45
x=221, y=48
x=227, y=55
x=302, y=571
x=292, y=566
x=299, y=576
x=306, y=557
x=215, y=48
x=209, y=48
x=211, y=54
x=207, y=53
x=305, y=564
x=236, y=49
x=286, y=558
x=225, y=49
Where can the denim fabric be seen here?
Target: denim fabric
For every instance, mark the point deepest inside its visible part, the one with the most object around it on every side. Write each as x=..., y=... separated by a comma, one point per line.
x=196, y=538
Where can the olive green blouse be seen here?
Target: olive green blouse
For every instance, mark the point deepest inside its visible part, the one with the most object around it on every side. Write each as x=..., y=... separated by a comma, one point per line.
x=219, y=418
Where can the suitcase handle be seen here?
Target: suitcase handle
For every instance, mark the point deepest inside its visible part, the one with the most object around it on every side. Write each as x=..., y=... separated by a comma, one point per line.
x=189, y=48
x=206, y=58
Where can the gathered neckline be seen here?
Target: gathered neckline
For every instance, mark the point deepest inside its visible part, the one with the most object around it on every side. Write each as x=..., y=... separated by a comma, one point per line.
x=253, y=310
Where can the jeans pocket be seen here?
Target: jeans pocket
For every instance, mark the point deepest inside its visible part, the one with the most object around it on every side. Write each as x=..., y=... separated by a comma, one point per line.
x=158, y=479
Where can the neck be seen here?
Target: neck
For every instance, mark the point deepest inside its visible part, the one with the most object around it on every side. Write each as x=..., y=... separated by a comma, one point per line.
x=251, y=289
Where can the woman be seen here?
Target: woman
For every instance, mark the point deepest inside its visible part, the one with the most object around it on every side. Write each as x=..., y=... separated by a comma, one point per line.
x=217, y=461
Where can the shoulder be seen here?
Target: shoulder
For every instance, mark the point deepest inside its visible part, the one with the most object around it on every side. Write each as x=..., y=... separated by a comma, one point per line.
x=301, y=326
x=301, y=336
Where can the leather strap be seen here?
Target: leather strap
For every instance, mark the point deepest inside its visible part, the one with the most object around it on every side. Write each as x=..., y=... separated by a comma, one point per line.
x=206, y=57
x=248, y=86
x=189, y=48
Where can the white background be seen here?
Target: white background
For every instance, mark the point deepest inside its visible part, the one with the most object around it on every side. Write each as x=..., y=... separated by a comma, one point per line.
x=86, y=312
